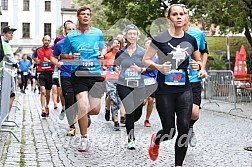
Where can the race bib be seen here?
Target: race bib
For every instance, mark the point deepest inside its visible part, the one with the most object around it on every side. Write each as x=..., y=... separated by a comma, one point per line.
x=149, y=81
x=132, y=75
x=45, y=65
x=25, y=73
x=175, y=77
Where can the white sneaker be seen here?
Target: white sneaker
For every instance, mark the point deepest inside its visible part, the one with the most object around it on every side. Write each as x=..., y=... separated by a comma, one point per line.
x=193, y=139
x=84, y=145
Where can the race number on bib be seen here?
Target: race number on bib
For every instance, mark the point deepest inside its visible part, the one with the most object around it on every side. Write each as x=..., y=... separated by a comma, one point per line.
x=129, y=75
x=175, y=77
x=25, y=73
x=88, y=64
x=45, y=65
x=149, y=81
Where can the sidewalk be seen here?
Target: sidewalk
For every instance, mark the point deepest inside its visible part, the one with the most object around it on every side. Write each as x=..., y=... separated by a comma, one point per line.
x=242, y=109
x=44, y=142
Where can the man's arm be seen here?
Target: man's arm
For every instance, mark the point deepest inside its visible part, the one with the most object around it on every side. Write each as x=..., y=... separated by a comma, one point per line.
x=35, y=57
x=54, y=60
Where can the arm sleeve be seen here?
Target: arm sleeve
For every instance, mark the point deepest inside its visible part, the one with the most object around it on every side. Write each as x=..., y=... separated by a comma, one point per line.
x=66, y=46
x=57, y=50
x=101, y=42
x=194, y=43
x=34, y=54
x=203, y=44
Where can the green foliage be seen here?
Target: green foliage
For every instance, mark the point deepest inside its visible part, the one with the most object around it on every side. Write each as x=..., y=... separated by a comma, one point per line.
x=141, y=13
x=232, y=15
x=217, y=62
x=59, y=30
x=219, y=43
x=99, y=20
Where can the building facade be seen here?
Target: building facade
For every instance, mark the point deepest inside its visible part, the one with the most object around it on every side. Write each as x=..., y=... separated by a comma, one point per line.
x=33, y=19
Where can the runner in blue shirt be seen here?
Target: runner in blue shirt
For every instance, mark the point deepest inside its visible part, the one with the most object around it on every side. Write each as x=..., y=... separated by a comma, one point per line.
x=65, y=81
x=24, y=69
x=87, y=46
x=196, y=76
x=150, y=87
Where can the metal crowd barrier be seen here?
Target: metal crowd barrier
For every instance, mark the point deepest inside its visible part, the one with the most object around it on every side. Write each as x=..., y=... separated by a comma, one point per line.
x=221, y=88
x=5, y=92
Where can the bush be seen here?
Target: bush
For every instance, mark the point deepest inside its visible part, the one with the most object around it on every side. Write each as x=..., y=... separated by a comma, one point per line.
x=217, y=62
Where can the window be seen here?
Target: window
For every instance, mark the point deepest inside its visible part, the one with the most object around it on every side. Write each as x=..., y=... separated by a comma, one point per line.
x=3, y=24
x=4, y=4
x=26, y=5
x=47, y=29
x=48, y=6
x=26, y=30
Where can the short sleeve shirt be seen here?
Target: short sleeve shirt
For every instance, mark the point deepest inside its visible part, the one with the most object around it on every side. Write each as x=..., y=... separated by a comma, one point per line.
x=87, y=44
x=177, y=51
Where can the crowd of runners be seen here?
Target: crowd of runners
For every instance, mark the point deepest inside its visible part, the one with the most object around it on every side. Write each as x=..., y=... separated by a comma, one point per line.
x=80, y=68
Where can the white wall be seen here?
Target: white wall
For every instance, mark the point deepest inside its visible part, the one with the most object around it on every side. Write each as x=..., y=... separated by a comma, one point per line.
x=15, y=16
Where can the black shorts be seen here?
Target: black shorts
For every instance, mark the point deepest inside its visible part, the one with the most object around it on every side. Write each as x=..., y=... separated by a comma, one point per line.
x=66, y=85
x=45, y=79
x=34, y=77
x=150, y=90
x=55, y=81
x=94, y=85
x=12, y=94
x=196, y=90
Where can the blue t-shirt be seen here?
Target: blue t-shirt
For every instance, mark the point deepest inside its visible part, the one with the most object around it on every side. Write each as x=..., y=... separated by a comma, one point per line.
x=88, y=45
x=153, y=74
x=65, y=70
x=24, y=65
x=201, y=42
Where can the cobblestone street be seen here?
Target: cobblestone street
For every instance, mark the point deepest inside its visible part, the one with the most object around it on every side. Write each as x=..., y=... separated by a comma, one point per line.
x=221, y=139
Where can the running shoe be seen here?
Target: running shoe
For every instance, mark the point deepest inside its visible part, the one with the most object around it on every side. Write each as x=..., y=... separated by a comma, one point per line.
x=62, y=114
x=107, y=115
x=153, y=149
x=84, y=145
x=47, y=111
x=43, y=114
x=147, y=123
x=71, y=132
x=55, y=106
x=131, y=144
x=116, y=126
x=192, y=139
x=58, y=99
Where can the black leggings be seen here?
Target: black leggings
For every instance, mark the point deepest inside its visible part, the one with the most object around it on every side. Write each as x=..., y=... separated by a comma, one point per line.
x=132, y=99
x=24, y=79
x=167, y=105
x=70, y=107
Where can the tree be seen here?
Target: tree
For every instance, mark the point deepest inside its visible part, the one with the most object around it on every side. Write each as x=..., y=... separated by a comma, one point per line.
x=99, y=20
x=141, y=13
x=231, y=15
